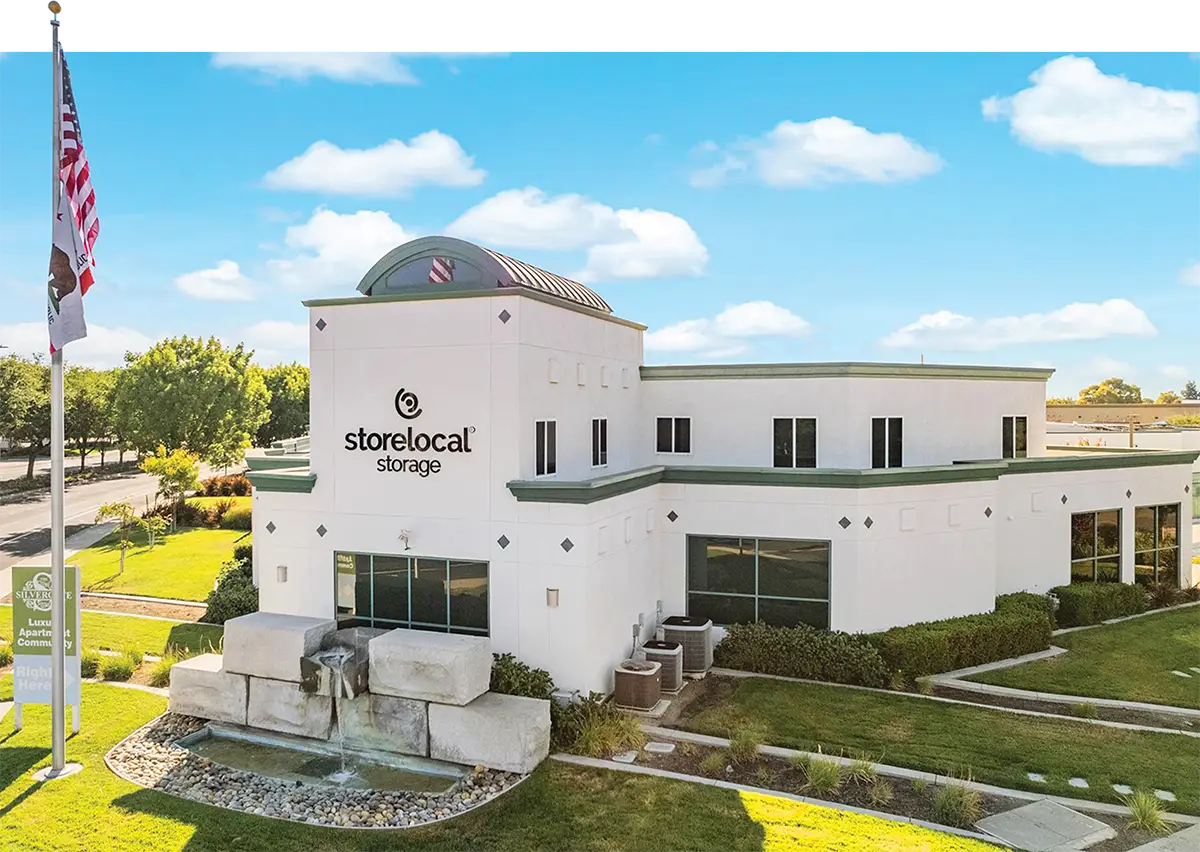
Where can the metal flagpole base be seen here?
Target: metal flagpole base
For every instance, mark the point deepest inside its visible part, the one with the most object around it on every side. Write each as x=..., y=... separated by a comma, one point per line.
x=47, y=773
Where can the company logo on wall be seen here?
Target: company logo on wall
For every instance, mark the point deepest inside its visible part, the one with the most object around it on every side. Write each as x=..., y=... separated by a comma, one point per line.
x=408, y=406
x=35, y=594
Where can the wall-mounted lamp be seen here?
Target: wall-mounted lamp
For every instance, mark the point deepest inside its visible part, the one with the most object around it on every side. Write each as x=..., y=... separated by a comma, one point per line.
x=281, y=573
x=551, y=597
x=404, y=538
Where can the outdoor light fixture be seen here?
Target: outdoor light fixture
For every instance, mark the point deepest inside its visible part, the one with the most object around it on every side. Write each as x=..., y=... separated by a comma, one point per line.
x=404, y=538
x=281, y=573
x=551, y=597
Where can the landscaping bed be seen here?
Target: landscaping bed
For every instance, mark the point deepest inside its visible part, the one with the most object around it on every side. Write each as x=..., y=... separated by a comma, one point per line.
x=128, y=606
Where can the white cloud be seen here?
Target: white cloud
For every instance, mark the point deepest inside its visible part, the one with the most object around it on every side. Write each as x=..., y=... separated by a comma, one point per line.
x=393, y=168
x=1103, y=365
x=1072, y=106
x=1077, y=321
x=223, y=283
x=277, y=341
x=336, y=249
x=103, y=347
x=343, y=67
x=621, y=244
x=824, y=151
x=729, y=331
x=1191, y=275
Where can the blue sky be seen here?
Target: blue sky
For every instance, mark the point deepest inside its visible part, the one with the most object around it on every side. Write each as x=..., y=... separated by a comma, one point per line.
x=1029, y=209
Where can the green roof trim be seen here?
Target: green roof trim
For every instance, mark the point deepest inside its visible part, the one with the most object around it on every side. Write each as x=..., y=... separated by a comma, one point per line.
x=604, y=487
x=436, y=291
x=276, y=462
x=297, y=480
x=843, y=369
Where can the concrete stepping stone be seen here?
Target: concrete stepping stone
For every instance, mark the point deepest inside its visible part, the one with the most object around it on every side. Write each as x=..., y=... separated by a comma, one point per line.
x=1196, y=669
x=1044, y=826
x=659, y=748
x=1181, y=674
x=1036, y=777
x=1122, y=789
x=1165, y=795
x=625, y=757
x=1081, y=783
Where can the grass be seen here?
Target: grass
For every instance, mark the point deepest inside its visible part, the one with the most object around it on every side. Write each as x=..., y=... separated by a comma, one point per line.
x=1132, y=661
x=209, y=502
x=115, y=632
x=559, y=808
x=998, y=747
x=182, y=565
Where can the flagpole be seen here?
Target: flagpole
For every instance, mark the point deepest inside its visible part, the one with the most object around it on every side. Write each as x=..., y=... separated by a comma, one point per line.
x=57, y=452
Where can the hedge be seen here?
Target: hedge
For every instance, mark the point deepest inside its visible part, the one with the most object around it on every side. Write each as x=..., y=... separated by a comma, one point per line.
x=802, y=652
x=1092, y=603
x=1021, y=624
x=234, y=595
x=237, y=518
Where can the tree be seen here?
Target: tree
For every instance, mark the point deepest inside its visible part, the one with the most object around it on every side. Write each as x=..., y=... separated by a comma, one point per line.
x=288, y=384
x=87, y=407
x=187, y=392
x=178, y=473
x=1190, y=391
x=1166, y=398
x=154, y=525
x=25, y=405
x=1109, y=392
x=1060, y=400
x=121, y=512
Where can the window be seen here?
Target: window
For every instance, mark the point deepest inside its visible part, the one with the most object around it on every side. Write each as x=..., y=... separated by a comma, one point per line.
x=1015, y=439
x=1156, y=544
x=795, y=442
x=600, y=442
x=674, y=435
x=887, y=442
x=377, y=590
x=544, y=449
x=1096, y=547
x=742, y=580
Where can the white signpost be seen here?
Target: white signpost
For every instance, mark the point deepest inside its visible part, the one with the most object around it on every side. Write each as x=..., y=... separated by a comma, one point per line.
x=33, y=669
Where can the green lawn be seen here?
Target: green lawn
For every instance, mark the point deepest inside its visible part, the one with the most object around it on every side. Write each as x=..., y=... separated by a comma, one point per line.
x=560, y=807
x=110, y=631
x=209, y=502
x=999, y=748
x=182, y=565
x=1132, y=661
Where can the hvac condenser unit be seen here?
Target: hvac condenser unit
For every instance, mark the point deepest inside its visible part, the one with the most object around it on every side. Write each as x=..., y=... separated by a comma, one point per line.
x=670, y=656
x=637, y=684
x=695, y=635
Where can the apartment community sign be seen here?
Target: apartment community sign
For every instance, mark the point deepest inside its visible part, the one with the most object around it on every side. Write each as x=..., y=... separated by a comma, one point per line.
x=32, y=646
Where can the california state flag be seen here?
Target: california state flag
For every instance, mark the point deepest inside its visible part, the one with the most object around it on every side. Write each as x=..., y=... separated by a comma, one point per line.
x=76, y=226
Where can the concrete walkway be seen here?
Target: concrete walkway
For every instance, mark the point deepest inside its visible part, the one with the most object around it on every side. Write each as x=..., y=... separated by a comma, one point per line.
x=1187, y=840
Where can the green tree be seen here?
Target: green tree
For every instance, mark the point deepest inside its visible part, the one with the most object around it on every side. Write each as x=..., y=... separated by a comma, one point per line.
x=188, y=392
x=87, y=407
x=1190, y=391
x=121, y=512
x=1166, y=398
x=1109, y=392
x=1060, y=400
x=288, y=384
x=178, y=473
x=25, y=406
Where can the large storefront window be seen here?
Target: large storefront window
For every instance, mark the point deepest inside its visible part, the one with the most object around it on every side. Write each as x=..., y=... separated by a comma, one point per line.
x=741, y=580
x=1096, y=547
x=1156, y=544
x=401, y=591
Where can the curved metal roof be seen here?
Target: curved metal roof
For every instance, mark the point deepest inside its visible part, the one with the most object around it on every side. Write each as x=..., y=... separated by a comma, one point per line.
x=507, y=271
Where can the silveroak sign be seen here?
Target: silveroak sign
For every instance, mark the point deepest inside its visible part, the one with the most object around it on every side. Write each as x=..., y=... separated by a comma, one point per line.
x=410, y=441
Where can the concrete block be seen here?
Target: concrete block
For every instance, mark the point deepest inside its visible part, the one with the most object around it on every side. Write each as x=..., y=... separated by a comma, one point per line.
x=425, y=666
x=270, y=644
x=200, y=688
x=279, y=705
x=385, y=723
x=504, y=732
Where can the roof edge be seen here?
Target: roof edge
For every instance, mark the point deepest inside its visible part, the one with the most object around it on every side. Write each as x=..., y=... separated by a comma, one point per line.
x=855, y=369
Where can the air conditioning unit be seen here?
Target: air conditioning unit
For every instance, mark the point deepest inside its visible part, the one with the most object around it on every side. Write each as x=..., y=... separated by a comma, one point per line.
x=637, y=684
x=670, y=656
x=695, y=635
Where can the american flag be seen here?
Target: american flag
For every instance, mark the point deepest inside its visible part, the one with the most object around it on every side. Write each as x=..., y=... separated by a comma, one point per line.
x=76, y=177
x=442, y=271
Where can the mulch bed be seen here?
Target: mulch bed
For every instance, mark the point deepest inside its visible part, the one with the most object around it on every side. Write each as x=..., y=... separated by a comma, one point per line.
x=1110, y=714
x=136, y=607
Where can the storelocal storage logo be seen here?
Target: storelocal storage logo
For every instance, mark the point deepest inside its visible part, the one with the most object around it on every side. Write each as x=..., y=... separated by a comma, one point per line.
x=410, y=441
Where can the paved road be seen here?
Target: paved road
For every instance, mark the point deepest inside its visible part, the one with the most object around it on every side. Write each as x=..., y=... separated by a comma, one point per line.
x=14, y=468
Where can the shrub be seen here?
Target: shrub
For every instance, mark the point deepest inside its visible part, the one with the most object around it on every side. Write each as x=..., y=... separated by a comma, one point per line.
x=822, y=776
x=6, y=656
x=186, y=514
x=89, y=664
x=1092, y=603
x=512, y=677
x=160, y=675
x=235, y=485
x=117, y=668
x=1164, y=595
x=1146, y=813
x=133, y=654
x=880, y=793
x=743, y=745
x=243, y=553
x=1192, y=593
x=1084, y=710
x=604, y=730
x=234, y=595
x=799, y=762
x=237, y=518
x=764, y=777
x=956, y=805
x=1018, y=626
x=1026, y=600
x=802, y=652
x=861, y=772
x=713, y=763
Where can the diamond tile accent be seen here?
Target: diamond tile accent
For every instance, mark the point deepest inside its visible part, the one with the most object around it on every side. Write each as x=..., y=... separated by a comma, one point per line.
x=672, y=517
x=844, y=522
x=505, y=316
x=502, y=541
x=567, y=544
x=868, y=523
x=270, y=526
x=321, y=531
x=1128, y=493
x=1186, y=489
x=1064, y=499
x=321, y=324
x=987, y=513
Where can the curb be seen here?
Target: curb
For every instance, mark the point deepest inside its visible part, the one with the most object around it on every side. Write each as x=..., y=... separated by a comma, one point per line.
x=1159, y=611
x=1056, y=698
x=140, y=599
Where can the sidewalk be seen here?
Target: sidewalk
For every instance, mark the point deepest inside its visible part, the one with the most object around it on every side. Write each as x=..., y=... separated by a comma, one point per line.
x=80, y=541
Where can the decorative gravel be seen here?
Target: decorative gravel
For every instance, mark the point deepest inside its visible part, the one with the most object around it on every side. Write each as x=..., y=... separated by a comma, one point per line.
x=150, y=758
